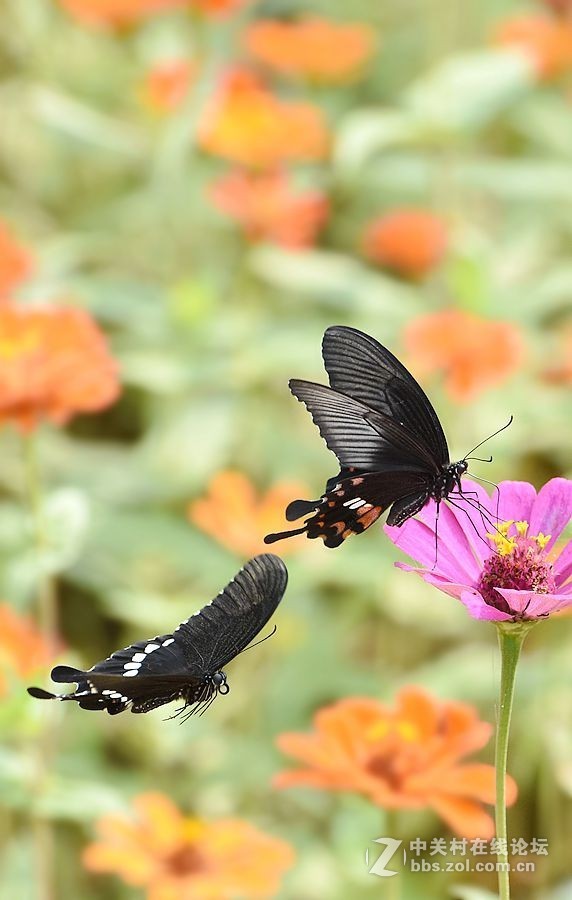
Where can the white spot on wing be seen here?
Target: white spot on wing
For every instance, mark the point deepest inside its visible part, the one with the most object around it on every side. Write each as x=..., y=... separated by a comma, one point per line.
x=150, y=647
x=130, y=673
x=138, y=657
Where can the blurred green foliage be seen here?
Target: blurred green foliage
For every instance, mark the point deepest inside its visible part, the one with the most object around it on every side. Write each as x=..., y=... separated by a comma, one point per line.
x=207, y=330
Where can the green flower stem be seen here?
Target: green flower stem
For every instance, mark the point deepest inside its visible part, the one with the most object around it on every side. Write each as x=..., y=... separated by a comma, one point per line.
x=46, y=591
x=48, y=620
x=394, y=883
x=511, y=638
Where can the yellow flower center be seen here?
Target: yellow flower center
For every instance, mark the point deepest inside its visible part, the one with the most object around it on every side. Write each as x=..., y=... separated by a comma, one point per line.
x=19, y=345
x=400, y=728
x=519, y=562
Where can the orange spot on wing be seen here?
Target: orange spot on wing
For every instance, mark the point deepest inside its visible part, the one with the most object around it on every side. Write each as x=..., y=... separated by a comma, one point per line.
x=370, y=516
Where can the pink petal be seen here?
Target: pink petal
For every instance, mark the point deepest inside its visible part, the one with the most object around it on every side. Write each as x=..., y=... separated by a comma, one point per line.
x=455, y=556
x=472, y=510
x=448, y=587
x=516, y=501
x=438, y=581
x=563, y=566
x=553, y=509
x=472, y=487
x=478, y=609
x=533, y=605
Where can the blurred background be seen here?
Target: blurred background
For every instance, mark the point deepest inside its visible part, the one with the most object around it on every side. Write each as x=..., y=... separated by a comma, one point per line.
x=211, y=184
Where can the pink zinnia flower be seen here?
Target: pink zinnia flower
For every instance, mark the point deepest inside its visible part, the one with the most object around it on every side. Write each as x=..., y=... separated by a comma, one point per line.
x=505, y=570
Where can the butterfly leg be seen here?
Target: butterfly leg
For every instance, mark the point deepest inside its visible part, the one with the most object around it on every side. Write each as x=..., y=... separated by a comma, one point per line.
x=438, y=505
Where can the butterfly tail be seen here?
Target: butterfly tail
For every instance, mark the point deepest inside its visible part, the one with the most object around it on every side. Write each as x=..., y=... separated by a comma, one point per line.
x=298, y=508
x=280, y=535
x=67, y=674
x=41, y=694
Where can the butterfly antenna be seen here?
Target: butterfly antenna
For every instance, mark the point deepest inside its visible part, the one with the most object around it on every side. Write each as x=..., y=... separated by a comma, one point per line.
x=494, y=434
x=261, y=641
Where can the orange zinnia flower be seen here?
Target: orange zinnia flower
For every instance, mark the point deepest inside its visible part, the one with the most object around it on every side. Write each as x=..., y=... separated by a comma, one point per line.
x=236, y=516
x=179, y=858
x=249, y=125
x=412, y=242
x=16, y=262
x=407, y=757
x=548, y=42
x=23, y=649
x=118, y=12
x=473, y=353
x=312, y=48
x=168, y=83
x=560, y=7
x=218, y=7
x=269, y=209
x=53, y=363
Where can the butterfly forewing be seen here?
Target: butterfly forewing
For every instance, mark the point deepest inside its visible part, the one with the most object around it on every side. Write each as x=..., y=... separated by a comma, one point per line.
x=362, y=438
x=359, y=366
x=221, y=630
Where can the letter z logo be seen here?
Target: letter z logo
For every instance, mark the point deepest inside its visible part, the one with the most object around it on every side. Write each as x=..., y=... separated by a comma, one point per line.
x=378, y=867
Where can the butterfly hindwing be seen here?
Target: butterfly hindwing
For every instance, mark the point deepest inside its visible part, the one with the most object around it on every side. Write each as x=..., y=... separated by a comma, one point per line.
x=352, y=503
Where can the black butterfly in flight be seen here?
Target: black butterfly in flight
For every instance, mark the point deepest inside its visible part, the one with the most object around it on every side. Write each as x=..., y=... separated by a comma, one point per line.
x=386, y=435
x=186, y=664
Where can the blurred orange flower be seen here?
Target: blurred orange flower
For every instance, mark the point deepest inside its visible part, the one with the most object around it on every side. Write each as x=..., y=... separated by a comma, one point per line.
x=117, y=12
x=269, y=208
x=167, y=84
x=412, y=242
x=236, y=516
x=248, y=124
x=23, y=649
x=54, y=363
x=547, y=41
x=174, y=857
x=407, y=757
x=16, y=262
x=218, y=7
x=473, y=353
x=312, y=47
x=559, y=7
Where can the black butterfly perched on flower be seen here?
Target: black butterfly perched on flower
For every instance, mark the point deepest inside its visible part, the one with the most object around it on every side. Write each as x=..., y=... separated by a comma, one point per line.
x=186, y=664
x=386, y=435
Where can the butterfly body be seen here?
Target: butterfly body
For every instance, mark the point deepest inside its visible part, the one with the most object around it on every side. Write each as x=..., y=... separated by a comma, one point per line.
x=385, y=434
x=188, y=664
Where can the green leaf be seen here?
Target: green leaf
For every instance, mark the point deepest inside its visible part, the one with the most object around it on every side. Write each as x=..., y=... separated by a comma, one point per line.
x=468, y=91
